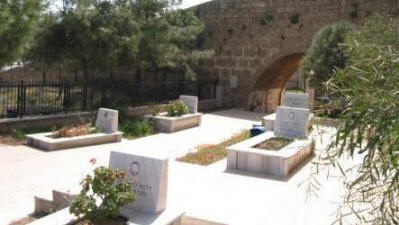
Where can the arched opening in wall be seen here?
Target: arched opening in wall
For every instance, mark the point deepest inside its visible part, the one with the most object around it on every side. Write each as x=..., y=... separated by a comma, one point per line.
x=266, y=95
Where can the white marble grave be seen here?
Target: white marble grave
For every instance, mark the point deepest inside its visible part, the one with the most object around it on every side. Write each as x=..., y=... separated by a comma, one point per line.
x=148, y=174
x=291, y=122
x=107, y=120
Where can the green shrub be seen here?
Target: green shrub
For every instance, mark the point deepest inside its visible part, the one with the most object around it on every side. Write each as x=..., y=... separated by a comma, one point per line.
x=136, y=128
x=325, y=55
x=177, y=108
x=110, y=188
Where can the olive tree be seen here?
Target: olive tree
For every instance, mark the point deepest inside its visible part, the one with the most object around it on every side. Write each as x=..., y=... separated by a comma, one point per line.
x=369, y=128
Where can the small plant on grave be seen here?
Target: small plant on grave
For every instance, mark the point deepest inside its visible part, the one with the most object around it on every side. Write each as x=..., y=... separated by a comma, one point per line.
x=137, y=128
x=102, y=195
x=155, y=109
x=266, y=19
x=177, y=108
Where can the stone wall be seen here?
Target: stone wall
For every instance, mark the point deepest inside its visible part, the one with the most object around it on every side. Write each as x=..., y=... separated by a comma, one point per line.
x=249, y=36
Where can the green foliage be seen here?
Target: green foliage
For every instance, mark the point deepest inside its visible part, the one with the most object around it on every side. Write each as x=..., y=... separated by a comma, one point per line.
x=18, y=23
x=370, y=85
x=136, y=128
x=87, y=36
x=102, y=195
x=106, y=36
x=325, y=55
x=177, y=108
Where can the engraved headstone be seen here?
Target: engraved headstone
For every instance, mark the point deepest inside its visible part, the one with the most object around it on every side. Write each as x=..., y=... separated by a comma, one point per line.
x=107, y=120
x=296, y=100
x=291, y=122
x=191, y=102
x=148, y=176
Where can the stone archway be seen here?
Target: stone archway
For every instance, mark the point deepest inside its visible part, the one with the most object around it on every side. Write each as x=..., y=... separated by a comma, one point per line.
x=265, y=96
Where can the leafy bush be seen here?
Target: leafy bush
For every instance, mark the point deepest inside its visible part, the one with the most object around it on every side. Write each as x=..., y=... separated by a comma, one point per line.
x=177, y=108
x=325, y=55
x=136, y=128
x=102, y=195
x=370, y=128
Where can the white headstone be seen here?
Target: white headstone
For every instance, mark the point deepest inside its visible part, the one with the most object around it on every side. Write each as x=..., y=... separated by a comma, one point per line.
x=107, y=120
x=291, y=122
x=296, y=100
x=191, y=102
x=148, y=175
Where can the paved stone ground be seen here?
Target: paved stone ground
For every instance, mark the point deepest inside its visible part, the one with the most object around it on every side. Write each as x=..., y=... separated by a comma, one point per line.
x=25, y=171
x=208, y=193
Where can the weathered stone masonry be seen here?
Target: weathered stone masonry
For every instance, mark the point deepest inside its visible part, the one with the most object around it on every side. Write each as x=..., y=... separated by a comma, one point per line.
x=262, y=41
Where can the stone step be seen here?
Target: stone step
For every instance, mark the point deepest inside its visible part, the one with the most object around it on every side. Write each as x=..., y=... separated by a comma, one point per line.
x=62, y=199
x=43, y=204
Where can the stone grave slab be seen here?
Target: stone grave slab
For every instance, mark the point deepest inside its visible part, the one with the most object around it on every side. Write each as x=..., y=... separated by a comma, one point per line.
x=107, y=120
x=191, y=102
x=291, y=122
x=148, y=174
x=296, y=100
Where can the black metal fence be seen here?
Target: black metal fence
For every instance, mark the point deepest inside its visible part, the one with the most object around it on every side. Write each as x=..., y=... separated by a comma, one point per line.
x=18, y=99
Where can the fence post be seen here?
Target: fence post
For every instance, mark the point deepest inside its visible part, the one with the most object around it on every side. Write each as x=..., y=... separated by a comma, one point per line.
x=199, y=89
x=84, y=103
x=215, y=84
x=21, y=97
x=65, y=100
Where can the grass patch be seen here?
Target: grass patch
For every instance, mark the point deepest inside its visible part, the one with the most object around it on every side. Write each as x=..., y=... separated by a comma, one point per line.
x=208, y=154
x=134, y=128
x=274, y=144
x=20, y=134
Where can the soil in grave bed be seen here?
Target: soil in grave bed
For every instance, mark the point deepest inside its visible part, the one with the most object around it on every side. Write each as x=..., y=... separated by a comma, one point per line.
x=114, y=221
x=208, y=154
x=74, y=131
x=274, y=144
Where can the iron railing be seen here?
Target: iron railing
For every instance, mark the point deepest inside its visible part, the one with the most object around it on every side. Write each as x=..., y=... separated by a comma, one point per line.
x=21, y=98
